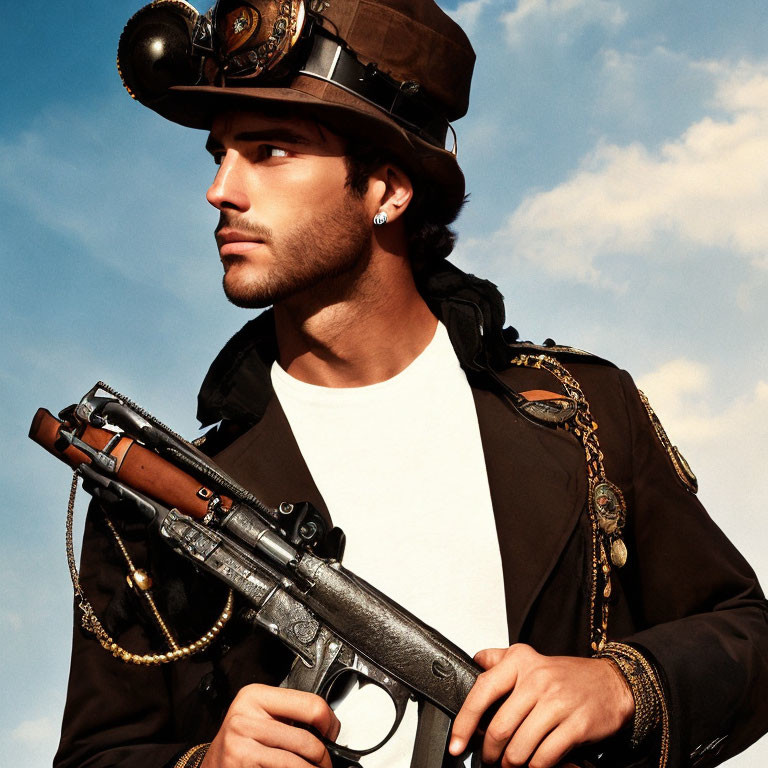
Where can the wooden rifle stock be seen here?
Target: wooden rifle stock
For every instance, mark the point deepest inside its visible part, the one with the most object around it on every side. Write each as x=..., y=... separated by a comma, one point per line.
x=135, y=465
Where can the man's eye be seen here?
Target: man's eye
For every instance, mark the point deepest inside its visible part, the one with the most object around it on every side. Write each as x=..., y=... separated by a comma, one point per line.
x=265, y=151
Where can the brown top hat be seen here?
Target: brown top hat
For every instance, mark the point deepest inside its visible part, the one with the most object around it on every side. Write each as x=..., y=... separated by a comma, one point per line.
x=393, y=71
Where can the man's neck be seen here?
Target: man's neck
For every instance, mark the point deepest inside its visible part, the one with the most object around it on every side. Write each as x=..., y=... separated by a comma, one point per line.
x=357, y=329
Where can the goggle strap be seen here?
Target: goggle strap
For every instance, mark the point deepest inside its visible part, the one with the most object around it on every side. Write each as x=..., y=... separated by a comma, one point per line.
x=331, y=62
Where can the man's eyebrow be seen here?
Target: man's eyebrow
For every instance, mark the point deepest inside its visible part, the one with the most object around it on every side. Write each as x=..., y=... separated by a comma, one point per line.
x=282, y=135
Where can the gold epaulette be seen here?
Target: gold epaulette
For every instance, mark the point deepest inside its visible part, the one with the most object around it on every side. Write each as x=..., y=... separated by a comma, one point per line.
x=560, y=351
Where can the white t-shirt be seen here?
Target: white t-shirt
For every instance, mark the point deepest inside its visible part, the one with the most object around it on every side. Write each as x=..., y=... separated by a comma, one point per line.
x=400, y=466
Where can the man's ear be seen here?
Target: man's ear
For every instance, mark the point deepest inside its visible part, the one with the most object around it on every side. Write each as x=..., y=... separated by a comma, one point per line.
x=391, y=191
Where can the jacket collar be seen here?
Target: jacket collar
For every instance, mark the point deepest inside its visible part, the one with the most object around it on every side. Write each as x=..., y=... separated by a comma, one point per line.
x=237, y=387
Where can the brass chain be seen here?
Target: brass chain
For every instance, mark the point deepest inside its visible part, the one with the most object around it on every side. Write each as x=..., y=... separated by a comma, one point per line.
x=607, y=525
x=584, y=427
x=92, y=624
x=606, y=505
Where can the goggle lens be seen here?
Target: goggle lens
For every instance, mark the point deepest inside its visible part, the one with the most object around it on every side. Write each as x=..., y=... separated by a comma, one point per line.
x=155, y=50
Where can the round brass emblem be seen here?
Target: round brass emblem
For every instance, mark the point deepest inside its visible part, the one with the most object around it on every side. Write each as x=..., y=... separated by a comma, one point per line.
x=239, y=26
x=608, y=507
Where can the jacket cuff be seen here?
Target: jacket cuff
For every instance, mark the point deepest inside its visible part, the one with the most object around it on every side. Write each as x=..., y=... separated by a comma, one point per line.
x=193, y=757
x=651, y=711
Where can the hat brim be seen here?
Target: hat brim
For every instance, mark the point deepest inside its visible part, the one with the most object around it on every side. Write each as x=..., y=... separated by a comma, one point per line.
x=196, y=106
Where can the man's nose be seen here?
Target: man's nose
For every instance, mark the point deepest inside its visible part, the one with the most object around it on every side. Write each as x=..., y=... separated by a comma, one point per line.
x=228, y=189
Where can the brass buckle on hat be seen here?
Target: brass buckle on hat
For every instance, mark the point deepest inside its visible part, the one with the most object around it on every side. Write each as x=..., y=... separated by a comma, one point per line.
x=252, y=38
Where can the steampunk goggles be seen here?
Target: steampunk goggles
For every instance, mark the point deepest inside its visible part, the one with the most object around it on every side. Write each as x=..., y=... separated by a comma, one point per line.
x=258, y=43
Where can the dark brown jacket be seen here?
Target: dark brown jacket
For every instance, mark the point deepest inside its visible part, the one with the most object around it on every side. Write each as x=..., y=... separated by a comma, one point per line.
x=686, y=597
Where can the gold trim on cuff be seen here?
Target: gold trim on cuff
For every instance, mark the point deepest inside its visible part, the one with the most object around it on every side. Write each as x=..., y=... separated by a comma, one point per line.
x=650, y=703
x=193, y=757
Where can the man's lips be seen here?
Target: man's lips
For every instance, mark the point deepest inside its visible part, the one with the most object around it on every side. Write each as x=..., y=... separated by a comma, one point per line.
x=239, y=248
x=232, y=242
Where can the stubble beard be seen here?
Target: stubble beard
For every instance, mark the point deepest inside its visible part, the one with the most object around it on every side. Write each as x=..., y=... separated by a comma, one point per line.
x=311, y=255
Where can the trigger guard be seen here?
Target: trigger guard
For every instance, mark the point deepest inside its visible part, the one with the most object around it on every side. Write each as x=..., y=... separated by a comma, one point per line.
x=350, y=662
x=333, y=659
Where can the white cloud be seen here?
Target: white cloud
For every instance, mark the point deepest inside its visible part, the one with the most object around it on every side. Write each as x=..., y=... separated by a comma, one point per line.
x=708, y=188
x=35, y=732
x=745, y=85
x=682, y=393
x=678, y=391
x=468, y=13
x=560, y=18
x=32, y=742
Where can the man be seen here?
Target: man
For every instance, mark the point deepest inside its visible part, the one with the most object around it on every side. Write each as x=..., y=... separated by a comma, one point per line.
x=383, y=388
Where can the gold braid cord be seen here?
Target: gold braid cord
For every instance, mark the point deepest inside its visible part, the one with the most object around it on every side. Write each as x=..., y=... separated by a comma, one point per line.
x=193, y=757
x=140, y=580
x=680, y=465
x=607, y=508
x=608, y=515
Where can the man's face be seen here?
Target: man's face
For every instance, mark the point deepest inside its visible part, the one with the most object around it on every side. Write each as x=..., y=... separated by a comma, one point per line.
x=288, y=221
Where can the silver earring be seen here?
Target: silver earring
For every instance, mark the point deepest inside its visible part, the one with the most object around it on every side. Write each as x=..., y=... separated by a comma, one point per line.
x=380, y=219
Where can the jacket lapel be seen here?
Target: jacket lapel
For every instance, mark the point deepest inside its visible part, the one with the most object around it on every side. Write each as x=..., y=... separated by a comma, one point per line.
x=536, y=475
x=537, y=478
x=267, y=461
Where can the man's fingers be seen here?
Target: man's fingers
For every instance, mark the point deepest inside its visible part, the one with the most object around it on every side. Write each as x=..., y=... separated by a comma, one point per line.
x=274, y=728
x=532, y=731
x=543, y=742
x=556, y=745
x=504, y=725
x=333, y=733
x=490, y=657
x=269, y=757
x=489, y=687
x=299, y=706
x=293, y=739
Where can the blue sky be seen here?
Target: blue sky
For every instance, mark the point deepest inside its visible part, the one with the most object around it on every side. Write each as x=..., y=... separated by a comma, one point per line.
x=617, y=157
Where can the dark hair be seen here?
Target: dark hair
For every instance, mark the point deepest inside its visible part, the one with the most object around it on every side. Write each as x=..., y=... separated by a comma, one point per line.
x=426, y=218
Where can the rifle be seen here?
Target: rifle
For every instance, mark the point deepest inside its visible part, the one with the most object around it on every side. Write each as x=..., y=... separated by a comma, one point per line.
x=284, y=561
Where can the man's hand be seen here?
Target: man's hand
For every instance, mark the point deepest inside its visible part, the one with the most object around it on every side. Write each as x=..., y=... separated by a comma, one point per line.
x=259, y=730
x=553, y=704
